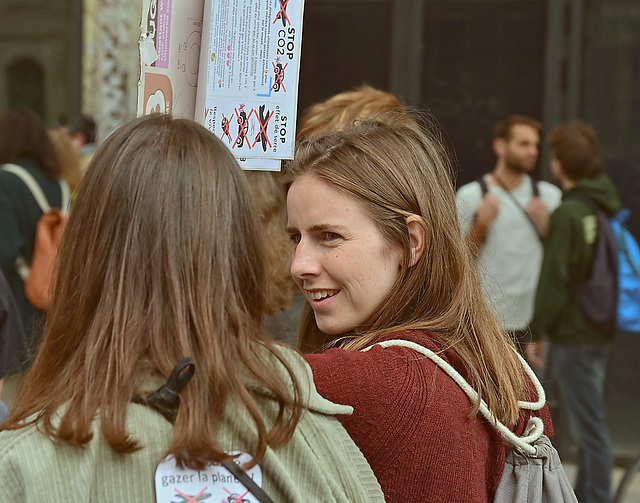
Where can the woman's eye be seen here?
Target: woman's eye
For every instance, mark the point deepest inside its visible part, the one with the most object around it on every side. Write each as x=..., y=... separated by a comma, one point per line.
x=295, y=238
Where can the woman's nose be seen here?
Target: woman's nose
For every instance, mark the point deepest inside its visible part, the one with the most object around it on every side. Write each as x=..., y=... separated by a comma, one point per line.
x=305, y=261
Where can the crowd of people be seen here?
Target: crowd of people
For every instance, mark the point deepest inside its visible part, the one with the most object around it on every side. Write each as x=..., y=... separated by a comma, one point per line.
x=169, y=348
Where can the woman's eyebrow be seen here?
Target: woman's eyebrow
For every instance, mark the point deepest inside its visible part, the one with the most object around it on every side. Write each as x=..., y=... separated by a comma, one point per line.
x=318, y=228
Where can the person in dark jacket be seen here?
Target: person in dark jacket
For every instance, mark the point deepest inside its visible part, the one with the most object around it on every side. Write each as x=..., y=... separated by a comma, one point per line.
x=24, y=141
x=578, y=349
x=13, y=351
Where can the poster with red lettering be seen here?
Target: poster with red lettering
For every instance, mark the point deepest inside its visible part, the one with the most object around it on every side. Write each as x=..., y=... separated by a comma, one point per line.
x=231, y=65
x=248, y=82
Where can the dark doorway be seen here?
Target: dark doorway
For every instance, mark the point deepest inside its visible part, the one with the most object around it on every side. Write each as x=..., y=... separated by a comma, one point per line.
x=482, y=61
x=345, y=44
x=25, y=81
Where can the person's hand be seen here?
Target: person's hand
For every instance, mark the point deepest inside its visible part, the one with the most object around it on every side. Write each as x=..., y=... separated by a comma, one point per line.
x=488, y=209
x=539, y=212
x=534, y=353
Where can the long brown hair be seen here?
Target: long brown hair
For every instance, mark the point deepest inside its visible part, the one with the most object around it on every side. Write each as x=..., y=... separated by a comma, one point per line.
x=161, y=259
x=272, y=212
x=23, y=133
x=395, y=171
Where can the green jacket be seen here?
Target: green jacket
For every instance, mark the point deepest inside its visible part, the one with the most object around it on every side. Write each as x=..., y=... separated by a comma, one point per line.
x=19, y=215
x=568, y=256
x=319, y=464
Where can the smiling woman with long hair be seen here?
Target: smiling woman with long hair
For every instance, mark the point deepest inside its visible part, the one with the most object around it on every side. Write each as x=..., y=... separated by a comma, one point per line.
x=379, y=255
x=162, y=259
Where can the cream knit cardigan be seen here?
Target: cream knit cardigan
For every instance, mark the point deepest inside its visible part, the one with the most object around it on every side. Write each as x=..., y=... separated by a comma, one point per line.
x=320, y=463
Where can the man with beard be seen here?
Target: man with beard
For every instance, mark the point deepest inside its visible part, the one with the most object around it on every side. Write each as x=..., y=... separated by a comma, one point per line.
x=505, y=216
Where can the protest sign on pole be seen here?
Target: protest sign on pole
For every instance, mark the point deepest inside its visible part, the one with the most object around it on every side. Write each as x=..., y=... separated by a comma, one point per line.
x=245, y=88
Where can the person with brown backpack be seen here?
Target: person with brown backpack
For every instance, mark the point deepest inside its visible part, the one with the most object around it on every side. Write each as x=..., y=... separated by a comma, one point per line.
x=25, y=144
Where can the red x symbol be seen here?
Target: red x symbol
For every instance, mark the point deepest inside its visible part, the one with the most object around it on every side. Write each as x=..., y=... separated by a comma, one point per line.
x=236, y=499
x=226, y=123
x=190, y=499
x=279, y=76
x=283, y=11
x=263, y=130
x=242, y=132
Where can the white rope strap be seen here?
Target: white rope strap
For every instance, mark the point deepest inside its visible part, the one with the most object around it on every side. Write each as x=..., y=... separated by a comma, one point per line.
x=21, y=265
x=65, y=207
x=36, y=190
x=535, y=425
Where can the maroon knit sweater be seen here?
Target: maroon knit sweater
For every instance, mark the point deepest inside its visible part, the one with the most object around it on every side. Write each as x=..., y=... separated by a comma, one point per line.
x=411, y=422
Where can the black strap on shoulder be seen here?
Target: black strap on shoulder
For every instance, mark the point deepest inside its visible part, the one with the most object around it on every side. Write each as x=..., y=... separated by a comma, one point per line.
x=534, y=185
x=166, y=401
x=483, y=185
x=247, y=481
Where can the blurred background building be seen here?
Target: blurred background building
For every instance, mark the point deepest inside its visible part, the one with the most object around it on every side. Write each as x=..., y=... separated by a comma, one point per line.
x=468, y=62
x=65, y=56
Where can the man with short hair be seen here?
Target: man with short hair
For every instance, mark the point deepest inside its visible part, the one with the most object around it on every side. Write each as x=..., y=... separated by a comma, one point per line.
x=578, y=349
x=505, y=216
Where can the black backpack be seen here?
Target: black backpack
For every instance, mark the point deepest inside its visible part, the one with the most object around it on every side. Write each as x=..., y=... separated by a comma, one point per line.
x=534, y=186
x=597, y=295
x=610, y=296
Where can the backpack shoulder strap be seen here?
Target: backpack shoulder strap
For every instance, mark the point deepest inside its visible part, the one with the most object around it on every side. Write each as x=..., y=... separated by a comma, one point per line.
x=534, y=186
x=31, y=184
x=483, y=185
x=535, y=426
x=65, y=191
x=36, y=190
x=601, y=215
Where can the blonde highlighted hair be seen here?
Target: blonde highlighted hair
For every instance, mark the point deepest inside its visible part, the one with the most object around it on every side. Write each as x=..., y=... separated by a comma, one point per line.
x=342, y=109
x=272, y=212
x=68, y=157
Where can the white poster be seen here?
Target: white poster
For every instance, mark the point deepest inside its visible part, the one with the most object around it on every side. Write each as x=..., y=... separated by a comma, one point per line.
x=248, y=81
x=213, y=484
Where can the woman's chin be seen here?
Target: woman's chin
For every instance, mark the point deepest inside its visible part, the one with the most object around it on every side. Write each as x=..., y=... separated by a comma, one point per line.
x=333, y=328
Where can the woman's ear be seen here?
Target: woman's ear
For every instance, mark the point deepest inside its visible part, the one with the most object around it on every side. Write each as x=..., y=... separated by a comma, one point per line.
x=416, y=237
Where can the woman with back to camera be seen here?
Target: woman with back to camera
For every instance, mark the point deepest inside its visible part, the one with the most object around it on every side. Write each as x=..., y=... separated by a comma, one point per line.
x=162, y=259
x=379, y=255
